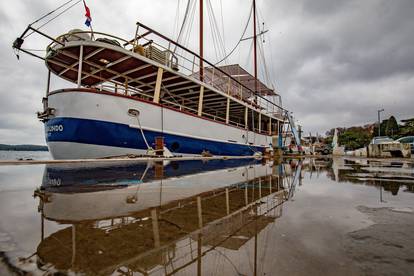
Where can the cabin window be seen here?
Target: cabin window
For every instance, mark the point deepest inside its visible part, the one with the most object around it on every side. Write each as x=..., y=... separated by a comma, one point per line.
x=252, y=120
x=265, y=124
x=274, y=128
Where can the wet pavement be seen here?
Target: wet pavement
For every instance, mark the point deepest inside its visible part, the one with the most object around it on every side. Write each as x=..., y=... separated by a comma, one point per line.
x=342, y=216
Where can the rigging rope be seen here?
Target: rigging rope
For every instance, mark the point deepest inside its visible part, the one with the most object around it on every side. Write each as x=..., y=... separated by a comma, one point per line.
x=183, y=24
x=216, y=31
x=186, y=36
x=216, y=43
x=49, y=13
x=53, y=18
x=177, y=19
x=240, y=40
x=222, y=26
x=249, y=57
x=272, y=68
x=184, y=29
x=261, y=48
x=263, y=59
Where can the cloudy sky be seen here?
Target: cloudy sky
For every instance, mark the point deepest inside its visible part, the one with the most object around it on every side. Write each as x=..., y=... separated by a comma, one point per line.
x=335, y=63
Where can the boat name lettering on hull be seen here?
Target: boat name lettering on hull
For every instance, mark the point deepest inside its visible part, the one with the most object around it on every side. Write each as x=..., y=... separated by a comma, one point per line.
x=54, y=128
x=54, y=182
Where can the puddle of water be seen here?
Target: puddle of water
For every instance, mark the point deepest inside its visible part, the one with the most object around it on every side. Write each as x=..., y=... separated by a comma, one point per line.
x=234, y=217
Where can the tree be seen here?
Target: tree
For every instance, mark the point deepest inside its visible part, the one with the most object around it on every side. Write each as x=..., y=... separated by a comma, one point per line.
x=383, y=128
x=391, y=128
x=408, y=128
x=331, y=132
x=355, y=138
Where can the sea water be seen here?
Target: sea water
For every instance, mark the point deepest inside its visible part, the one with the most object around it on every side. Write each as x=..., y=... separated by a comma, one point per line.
x=18, y=155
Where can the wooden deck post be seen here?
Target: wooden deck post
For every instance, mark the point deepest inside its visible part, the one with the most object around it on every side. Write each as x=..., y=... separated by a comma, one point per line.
x=245, y=117
x=260, y=188
x=270, y=126
x=278, y=127
x=200, y=101
x=270, y=183
x=228, y=111
x=126, y=86
x=80, y=66
x=157, y=91
x=260, y=122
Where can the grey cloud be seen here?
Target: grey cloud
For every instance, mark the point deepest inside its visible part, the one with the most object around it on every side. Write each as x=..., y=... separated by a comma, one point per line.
x=339, y=61
x=323, y=7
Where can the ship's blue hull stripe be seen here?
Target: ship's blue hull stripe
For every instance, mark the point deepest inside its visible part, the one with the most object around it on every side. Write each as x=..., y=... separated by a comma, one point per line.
x=121, y=135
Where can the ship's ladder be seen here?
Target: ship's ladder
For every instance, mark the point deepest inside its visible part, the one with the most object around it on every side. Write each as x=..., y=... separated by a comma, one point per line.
x=293, y=128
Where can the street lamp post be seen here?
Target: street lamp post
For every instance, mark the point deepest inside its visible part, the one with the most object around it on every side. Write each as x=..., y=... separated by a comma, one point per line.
x=379, y=120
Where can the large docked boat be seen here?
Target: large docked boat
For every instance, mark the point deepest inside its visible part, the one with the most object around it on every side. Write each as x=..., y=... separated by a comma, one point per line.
x=130, y=95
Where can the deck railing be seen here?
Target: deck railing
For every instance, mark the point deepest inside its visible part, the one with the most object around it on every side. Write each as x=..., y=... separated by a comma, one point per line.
x=164, y=50
x=189, y=64
x=181, y=59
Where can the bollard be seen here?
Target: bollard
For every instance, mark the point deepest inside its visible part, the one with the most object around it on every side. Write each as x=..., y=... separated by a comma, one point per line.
x=159, y=145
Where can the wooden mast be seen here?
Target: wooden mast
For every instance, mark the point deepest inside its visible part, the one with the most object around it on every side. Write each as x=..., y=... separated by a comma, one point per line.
x=201, y=40
x=254, y=45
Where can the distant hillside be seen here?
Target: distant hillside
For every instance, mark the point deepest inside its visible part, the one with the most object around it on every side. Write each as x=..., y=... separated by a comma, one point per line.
x=23, y=147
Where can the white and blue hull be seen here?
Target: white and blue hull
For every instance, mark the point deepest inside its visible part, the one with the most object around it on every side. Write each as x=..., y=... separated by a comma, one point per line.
x=95, y=125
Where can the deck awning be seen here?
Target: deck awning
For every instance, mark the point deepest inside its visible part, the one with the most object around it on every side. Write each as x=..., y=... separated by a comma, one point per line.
x=103, y=63
x=219, y=77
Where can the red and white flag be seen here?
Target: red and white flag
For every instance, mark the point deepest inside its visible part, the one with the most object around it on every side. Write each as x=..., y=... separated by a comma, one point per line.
x=87, y=15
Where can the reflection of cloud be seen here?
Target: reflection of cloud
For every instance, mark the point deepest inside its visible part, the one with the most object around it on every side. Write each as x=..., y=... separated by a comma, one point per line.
x=319, y=187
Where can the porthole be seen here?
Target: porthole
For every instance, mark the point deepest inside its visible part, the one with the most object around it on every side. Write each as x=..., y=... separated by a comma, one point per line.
x=175, y=146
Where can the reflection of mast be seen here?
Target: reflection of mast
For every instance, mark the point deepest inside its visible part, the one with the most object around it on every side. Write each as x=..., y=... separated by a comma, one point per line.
x=254, y=46
x=73, y=245
x=255, y=247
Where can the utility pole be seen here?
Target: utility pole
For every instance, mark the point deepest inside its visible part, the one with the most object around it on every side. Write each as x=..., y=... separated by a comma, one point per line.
x=379, y=120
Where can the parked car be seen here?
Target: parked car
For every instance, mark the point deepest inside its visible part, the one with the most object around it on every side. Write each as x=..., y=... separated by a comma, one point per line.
x=381, y=140
x=407, y=140
x=323, y=149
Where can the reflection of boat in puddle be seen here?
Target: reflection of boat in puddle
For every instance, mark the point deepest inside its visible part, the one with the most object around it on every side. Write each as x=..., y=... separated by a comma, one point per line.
x=389, y=175
x=79, y=193
x=177, y=220
x=80, y=176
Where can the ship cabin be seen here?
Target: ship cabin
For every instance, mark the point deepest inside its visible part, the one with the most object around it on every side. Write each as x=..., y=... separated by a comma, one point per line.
x=155, y=69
